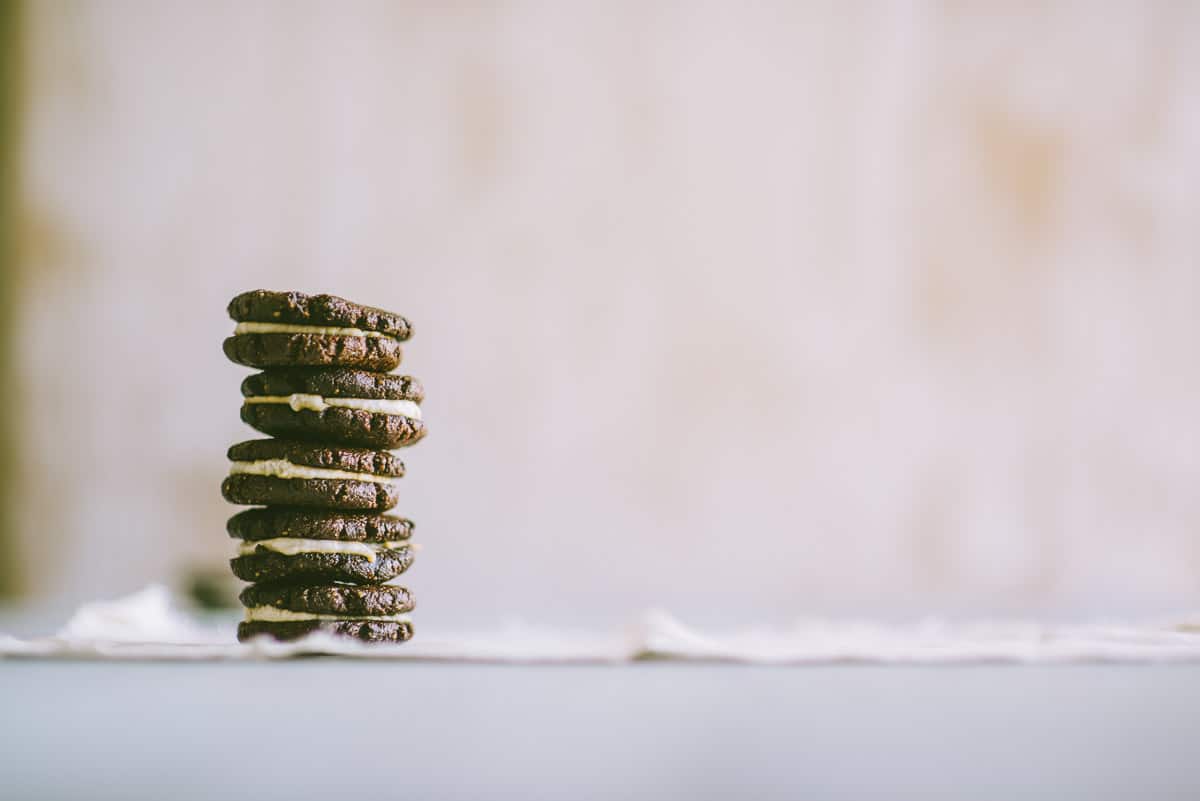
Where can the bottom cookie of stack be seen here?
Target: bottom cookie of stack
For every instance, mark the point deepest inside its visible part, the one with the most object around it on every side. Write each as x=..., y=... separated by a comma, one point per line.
x=369, y=613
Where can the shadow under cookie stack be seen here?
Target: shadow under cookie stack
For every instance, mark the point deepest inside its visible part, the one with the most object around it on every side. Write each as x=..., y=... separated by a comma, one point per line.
x=318, y=546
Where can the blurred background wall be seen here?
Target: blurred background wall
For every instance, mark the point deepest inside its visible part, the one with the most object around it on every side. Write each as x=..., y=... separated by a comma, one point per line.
x=750, y=311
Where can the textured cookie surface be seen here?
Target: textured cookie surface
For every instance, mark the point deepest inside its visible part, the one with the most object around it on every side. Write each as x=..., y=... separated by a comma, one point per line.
x=248, y=490
x=266, y=565
x=313, y=350
x=297, y=308
x=333, y=383
x=284, y=521
x=372, y=631
x=306, y=454
x=330, y=599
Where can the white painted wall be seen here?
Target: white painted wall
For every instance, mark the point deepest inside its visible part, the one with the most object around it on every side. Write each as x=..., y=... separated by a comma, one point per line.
x=758, y=312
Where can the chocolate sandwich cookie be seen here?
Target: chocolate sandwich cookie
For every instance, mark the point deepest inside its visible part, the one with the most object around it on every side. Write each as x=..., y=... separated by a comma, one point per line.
x=290, y=611
x=353, y=407
x=286, y=329
x=269, y=472
x=281, y=543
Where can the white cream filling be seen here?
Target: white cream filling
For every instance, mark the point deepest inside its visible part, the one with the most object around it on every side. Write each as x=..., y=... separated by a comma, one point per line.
x=282, y=468
x=288, y=328
x=290, y=546
x=273, y=614
x=316, y=403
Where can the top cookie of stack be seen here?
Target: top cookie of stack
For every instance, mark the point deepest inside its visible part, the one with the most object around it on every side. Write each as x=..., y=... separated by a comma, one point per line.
x=325, y=361
x=283, y=329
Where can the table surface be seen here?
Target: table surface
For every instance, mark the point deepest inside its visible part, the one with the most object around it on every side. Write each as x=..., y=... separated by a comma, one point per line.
x=322, y=727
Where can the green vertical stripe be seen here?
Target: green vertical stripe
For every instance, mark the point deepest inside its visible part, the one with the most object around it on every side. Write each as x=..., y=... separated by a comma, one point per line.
x=11, y=580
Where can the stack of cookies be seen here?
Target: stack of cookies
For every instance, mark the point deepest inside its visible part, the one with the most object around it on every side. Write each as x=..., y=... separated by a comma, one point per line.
x=319, y=547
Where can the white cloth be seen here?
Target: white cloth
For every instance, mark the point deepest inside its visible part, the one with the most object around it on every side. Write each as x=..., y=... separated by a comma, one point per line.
x=146, y=625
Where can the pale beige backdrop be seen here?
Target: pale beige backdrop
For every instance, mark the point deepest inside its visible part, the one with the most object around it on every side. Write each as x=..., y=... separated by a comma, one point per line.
x=746, y=310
